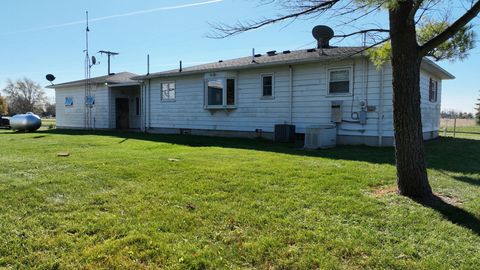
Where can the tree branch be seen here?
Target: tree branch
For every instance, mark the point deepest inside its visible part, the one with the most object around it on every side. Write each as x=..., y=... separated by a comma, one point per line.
x=362, y=32
x=450, y=31
x=223, y=31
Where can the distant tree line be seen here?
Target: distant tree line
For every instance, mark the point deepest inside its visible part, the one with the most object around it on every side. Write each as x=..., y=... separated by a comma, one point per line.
x=25, y=95
x=450, y=114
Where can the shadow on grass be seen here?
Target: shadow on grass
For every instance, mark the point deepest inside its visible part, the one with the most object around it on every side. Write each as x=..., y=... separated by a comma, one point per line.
x=453, y=213
x=449, y=154
x=469, y=180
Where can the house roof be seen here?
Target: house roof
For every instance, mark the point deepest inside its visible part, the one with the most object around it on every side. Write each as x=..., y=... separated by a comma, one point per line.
x=432, y=67
x=278, y=58
x=286, y=57
x=118, y=78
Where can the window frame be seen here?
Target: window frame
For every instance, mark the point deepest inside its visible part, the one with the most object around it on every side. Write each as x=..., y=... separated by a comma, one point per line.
x=434, y=98
x=350, y=78
x=224, y=93
x=263, y=75
x=137, y=106
x=174, y=91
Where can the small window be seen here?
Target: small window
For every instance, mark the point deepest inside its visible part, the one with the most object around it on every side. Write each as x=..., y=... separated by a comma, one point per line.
x=339, y=81
x=168, y=91
x=220, y=92
x=68, y=101
x=267, y=85
x=433, y=90
x=137, y=106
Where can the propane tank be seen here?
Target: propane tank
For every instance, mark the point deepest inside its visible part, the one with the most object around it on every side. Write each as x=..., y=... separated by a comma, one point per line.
x=25, y=122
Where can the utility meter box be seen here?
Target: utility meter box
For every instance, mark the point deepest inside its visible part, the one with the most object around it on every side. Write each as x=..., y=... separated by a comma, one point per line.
x=337, y=109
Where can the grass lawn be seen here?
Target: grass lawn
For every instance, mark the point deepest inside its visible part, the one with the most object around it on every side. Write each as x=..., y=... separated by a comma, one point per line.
x=134, y=201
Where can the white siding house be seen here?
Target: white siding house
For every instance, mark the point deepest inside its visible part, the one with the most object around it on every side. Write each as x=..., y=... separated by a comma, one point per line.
x=248, y=96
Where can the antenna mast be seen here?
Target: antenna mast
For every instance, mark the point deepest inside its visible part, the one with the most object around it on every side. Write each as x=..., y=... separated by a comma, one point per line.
x=109, y=53
x=88, y=86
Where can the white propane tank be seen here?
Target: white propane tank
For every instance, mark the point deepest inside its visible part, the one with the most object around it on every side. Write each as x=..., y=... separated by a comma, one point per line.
x=25, y=122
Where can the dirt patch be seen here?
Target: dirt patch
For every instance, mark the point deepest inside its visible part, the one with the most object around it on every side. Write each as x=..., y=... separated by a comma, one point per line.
x=449, y=199
x=383, y=191
x=388, y=190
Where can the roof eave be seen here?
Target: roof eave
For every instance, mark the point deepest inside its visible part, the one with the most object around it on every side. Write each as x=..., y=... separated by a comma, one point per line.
x=437, y=70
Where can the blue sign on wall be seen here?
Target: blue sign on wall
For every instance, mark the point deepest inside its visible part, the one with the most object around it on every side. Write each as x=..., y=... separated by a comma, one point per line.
x=90, y=100
x=68, y=101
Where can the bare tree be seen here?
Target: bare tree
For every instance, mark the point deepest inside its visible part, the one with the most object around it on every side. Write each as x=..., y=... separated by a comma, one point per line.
x=24, y=95
x=3, y=106
x=416, y=30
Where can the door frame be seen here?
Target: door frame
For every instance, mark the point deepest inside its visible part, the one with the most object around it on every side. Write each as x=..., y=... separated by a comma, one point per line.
x=117, y=112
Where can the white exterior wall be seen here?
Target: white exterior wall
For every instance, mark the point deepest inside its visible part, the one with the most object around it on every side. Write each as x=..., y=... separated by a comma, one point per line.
x=430, y=110
x=311, y=104
x=74, y=116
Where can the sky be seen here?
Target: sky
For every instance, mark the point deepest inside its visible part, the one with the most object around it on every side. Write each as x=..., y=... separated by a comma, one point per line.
x=41, y=37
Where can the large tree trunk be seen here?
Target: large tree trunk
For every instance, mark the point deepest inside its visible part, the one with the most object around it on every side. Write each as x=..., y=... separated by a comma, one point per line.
x=412, y=179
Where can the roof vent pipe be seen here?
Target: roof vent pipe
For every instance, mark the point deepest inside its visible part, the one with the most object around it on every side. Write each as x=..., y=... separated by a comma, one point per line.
x=322, y=34
x=180, y=70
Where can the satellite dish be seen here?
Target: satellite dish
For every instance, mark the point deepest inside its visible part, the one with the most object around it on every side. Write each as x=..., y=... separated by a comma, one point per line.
x=50, y=77
x=94, y=60
x=323, y=34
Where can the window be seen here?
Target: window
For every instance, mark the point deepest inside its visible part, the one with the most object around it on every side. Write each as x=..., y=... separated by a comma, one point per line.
x=220, y=93
x=339, y=81
x=267, y=85
x=168, y=91
x=433, y=90
x=230, y=92
x=68, y=101
x=137, y=106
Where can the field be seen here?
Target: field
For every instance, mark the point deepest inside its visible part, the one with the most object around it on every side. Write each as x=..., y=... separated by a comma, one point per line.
x=134, y=201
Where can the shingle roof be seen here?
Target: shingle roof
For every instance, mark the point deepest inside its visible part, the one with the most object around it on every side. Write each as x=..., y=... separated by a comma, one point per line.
x=286, y=57
x=118, y=78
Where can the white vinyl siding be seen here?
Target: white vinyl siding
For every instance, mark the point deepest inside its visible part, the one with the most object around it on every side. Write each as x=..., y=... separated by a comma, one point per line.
x=311, y=103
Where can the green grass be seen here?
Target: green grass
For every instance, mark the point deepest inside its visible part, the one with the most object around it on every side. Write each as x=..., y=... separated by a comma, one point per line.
x=49, y=123
x=118, y=202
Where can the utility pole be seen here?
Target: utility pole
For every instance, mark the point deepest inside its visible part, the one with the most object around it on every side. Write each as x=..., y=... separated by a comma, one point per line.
x=109, y=53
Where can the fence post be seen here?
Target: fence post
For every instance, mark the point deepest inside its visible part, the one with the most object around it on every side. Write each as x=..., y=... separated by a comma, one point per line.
x=454, y=126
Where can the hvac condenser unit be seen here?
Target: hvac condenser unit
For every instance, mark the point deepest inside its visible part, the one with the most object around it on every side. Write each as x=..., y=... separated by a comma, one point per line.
x=284, y=133
x=322, y=136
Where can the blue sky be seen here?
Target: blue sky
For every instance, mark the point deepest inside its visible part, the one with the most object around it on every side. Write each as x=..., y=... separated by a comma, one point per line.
x=40, y=37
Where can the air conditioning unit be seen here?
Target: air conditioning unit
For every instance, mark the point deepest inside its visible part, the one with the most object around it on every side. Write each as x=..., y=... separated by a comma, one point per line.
x=321, y=136
x=284, y=133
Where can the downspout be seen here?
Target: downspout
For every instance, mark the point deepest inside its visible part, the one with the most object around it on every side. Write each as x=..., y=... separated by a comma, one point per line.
x=149, y=102
x=291, y=95
x=142, y=105
x=380, y=111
